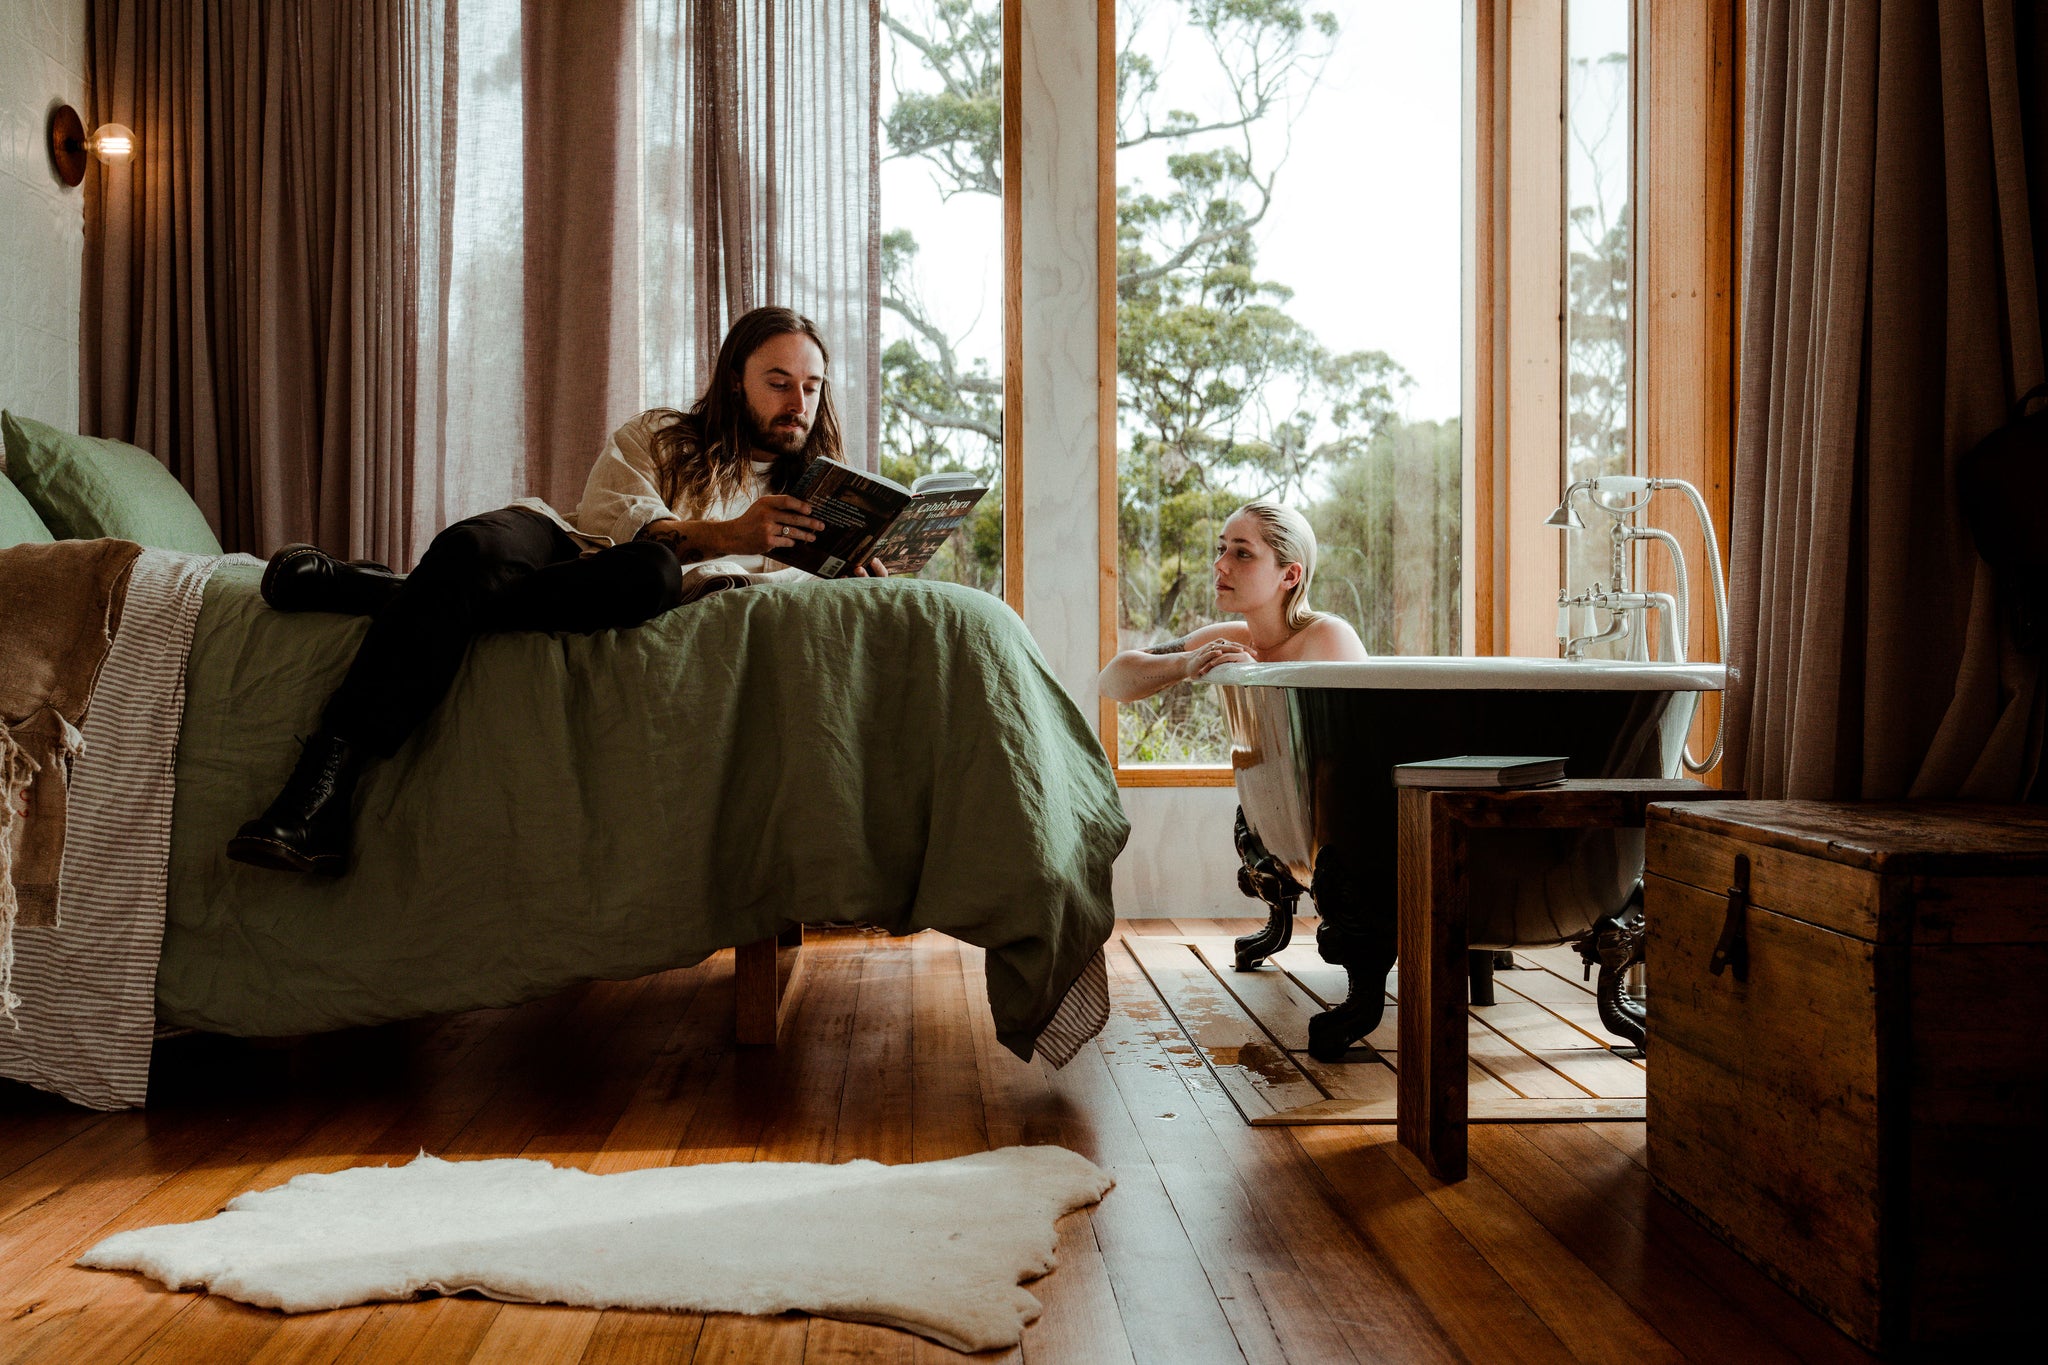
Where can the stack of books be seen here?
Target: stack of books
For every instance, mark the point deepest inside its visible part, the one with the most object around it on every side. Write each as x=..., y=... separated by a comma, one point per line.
x=1481, y=771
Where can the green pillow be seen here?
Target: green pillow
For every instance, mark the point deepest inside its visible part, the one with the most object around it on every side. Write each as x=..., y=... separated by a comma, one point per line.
x=19, y=524
x=85, y=487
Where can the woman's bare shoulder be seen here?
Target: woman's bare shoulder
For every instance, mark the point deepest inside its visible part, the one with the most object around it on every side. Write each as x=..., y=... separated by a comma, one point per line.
x=1330, y=639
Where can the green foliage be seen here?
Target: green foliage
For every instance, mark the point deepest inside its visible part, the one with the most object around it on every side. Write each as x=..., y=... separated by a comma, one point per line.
x=1222, y=395
x=958, y=128
x=1389, y=535
x=1597, y=391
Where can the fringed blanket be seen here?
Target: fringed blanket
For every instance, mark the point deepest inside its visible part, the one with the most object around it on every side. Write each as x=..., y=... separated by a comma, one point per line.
x=87, y=985
x=62, y=604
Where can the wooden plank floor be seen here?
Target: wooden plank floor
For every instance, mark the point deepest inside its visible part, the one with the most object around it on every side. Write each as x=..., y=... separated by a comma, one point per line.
x=1537, y=1054
x=1221, y=1242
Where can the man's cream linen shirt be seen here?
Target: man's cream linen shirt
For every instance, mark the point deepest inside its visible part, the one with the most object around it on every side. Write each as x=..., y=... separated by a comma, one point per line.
x=622, y=495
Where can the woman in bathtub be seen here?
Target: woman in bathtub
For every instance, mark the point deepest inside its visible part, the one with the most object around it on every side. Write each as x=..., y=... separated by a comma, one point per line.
x=1265, y=557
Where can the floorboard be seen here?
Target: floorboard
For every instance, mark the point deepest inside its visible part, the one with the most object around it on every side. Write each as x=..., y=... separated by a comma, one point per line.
x=1222, y=1242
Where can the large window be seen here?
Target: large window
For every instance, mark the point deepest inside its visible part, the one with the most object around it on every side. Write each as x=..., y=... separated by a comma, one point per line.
x=1287, y=279
x=943, y=399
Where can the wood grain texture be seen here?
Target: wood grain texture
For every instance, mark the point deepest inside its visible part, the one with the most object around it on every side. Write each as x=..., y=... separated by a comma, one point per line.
x=1435, y=1051
x=767, y=974
x=1221, y=1242
x=1687, y=238
x=1484, y=437
x=1542, y=1042
x=1861, y=1111
x=1432, y=1044
x=1106, y=365
x=1013, y=310
x=1530, y=270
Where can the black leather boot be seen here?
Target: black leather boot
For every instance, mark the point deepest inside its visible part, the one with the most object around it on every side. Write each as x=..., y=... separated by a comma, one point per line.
x=306, y=828
x=307, y=578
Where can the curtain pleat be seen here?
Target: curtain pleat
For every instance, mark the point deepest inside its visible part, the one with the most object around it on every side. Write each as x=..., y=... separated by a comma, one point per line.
x=581, y=136
x=1892, y=307
x=761, y=184
x=248, y=303
x=382, y=264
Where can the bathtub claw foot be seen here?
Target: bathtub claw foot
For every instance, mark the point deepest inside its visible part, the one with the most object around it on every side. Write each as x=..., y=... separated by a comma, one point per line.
x=1356, y=933
x=1615, y=945
x=1336, y=1030
x=1263, y=877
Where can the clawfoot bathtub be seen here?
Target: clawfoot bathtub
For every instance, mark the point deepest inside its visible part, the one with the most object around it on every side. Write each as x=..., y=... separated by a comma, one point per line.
x=1312, y=746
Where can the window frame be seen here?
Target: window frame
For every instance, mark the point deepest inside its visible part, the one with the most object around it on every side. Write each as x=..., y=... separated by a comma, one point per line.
x=1013, y=304
x=1686, y=134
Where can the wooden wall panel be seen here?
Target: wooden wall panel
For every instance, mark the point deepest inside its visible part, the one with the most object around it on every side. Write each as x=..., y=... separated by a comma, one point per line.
x=1688, y=173
x=1532, y=321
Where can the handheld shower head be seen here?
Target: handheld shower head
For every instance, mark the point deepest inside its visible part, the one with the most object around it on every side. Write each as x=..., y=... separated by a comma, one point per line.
x=1566, y=517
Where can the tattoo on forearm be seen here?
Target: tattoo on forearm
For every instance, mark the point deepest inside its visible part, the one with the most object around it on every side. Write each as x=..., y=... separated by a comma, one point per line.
x=1170, y=647
x=678, y=542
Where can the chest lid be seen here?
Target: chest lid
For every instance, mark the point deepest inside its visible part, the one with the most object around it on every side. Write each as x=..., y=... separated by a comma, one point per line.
x=1890, y=872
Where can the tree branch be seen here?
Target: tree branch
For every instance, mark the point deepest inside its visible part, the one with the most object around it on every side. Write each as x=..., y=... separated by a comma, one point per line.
x=932, y=57
x=1150, y=134
x=1200, y=240
x=949, y=421
x=930, y=332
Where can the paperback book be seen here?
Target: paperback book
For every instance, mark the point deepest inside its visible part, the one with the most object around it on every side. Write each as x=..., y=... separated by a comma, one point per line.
x=1497, y=771
x=869, y=516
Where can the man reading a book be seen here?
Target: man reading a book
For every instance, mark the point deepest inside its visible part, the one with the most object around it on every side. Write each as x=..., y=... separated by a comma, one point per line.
x=669, y=490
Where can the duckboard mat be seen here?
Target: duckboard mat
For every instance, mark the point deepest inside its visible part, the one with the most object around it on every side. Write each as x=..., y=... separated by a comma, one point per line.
x=1539, y=1054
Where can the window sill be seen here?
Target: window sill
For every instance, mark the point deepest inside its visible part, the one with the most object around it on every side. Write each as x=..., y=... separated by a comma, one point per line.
x=1166, y=775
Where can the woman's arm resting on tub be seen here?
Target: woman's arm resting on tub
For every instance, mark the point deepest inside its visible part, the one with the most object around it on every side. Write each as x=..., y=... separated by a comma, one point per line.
x=1138, y=673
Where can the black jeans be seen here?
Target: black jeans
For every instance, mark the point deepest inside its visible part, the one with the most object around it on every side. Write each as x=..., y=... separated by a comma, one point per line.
x=505, y=570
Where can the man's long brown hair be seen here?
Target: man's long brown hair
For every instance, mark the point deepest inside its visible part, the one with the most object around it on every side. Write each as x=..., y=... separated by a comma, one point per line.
x=703, y=455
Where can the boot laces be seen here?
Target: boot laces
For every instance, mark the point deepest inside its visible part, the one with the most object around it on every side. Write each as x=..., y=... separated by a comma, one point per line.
x=321, y=760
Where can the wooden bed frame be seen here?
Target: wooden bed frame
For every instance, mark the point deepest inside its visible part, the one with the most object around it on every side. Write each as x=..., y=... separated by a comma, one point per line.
x=766, y=975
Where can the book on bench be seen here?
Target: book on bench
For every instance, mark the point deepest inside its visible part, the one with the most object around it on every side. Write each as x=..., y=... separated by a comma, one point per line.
x=1481, y=771
x=869, y=516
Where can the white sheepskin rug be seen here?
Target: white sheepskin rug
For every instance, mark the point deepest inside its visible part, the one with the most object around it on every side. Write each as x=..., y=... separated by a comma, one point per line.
x=937, y=1247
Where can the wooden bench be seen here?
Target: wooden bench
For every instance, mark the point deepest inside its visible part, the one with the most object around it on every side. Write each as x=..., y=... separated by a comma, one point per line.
x=1431, y=1104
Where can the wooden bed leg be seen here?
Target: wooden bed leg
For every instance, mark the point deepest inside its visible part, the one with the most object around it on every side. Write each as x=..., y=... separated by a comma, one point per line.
x=766, y=974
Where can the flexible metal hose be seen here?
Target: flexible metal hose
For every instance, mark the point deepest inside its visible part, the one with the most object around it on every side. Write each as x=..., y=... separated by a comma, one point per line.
x=1699, y=507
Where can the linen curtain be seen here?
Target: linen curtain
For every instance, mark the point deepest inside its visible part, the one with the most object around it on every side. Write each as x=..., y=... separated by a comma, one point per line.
x=1892, y=313
x=247, y=311
x=619, y=181
x=382, y=264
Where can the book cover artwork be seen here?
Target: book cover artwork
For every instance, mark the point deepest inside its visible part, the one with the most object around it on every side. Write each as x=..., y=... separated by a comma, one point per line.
x=869, y=516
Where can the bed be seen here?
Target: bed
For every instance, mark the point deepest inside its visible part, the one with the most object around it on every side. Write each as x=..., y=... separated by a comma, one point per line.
x=605, y=806
x=609, y=805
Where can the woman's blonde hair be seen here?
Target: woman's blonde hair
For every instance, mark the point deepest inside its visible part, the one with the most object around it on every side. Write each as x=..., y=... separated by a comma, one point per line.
x=1293, y=541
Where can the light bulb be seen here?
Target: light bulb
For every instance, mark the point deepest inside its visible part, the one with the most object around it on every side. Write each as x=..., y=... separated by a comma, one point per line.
x=112, y=143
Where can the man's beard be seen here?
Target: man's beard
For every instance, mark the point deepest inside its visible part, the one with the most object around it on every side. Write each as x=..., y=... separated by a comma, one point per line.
x=786, y=440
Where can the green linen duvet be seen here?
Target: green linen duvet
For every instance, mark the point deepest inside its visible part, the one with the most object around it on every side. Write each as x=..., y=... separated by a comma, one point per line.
x=609, y=805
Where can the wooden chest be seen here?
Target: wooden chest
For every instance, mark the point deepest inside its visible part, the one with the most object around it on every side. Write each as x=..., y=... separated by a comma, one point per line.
x=1861, y=1106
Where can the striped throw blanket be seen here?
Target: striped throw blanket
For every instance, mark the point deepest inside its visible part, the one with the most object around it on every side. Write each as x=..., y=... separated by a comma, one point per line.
x=61, y=603
x=87, y=986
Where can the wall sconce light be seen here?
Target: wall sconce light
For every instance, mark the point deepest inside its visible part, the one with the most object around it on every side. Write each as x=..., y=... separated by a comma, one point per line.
x=69, y=146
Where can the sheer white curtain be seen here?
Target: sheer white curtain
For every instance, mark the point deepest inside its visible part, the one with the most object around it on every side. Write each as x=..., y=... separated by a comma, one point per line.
x=610, y=198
